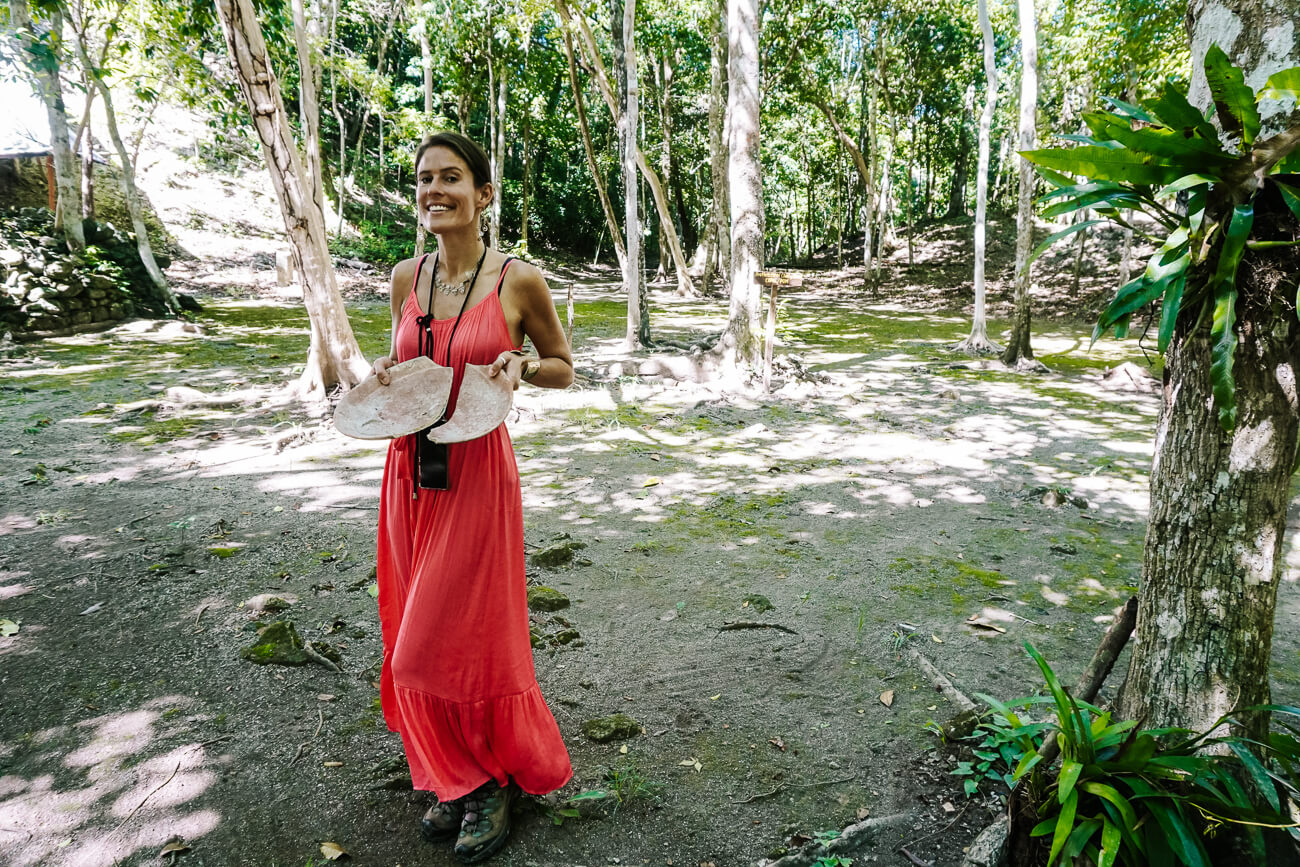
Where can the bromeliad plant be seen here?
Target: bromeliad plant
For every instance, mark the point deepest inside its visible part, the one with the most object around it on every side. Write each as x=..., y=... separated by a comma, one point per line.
x=1165, y=159
x=1138, y=798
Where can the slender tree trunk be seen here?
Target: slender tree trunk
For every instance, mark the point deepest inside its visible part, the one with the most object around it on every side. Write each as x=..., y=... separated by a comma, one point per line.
x=1217, y=530
x=978, y=343
x=598, y=180
x=719, y=208
x=342, y=191
x=623, y=30
x=426, y=65
x=309, y=75
x=1126, y=251
x=88, y=176
x=741, y=344
x=129, y=192
x=871, y=195
x=523, y=202
x=1019, y=352
x=592, y=53
x=334, y=357
x=45, y=74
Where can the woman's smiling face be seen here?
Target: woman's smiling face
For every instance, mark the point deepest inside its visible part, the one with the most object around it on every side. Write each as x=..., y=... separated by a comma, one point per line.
x=445, y=191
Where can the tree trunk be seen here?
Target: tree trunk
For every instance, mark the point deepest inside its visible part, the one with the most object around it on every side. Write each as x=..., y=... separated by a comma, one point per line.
x=426, y=64
x=45, y=75
x=611, y=222
x=716, y=233
x=978, y=342
x=1216, y=534
x=309, y=81
x=341, y=193
x=597, y=65
x=1019, y=353
x=623, y=31
x=523, y=200
x=88, y=175
x=393, y=13
x=740, y=346
x=334, y=357
x=957, y=192
x=95, y=76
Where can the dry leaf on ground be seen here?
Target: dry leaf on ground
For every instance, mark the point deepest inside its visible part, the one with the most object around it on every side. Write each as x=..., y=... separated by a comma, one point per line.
x=333, y=851
x=887, y=698
x=778, y=743
x=8, y=627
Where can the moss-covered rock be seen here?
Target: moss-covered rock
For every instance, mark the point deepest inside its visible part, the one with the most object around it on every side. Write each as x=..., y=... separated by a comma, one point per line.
x=758, y=602
x=615, y=727
x=277, y=644
x=559, y=554
x=546, y=599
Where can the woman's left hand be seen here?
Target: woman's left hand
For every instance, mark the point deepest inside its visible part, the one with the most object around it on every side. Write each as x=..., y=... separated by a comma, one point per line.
x=510, y=365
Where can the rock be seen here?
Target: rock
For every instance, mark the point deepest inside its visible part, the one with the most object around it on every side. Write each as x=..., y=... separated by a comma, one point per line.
x=559, y=554
x=546, y=599
x=566, y=636
x=758, y=602
x=272, y=602
x=615, y=727
x=9, y=258
x=188, y=302
x=1131, y=377
x=989, y=848
x=35, y=265
x=276, y=644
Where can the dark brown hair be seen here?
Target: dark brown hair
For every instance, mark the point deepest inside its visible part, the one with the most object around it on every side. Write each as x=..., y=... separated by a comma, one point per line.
x=466, y=148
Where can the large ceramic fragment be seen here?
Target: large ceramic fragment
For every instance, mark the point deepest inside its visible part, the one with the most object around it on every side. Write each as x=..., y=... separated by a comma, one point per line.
x=481, y=405
x=415, y=398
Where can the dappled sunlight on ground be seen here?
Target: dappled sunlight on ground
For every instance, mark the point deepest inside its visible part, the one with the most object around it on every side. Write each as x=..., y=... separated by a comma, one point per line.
x=110, y=786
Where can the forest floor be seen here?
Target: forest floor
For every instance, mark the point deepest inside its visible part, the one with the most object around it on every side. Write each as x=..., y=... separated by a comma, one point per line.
x=876, y=506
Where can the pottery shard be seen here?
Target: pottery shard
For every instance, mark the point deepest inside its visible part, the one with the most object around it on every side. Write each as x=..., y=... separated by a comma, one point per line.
x=546, y=599
x=616, y=727
x=559, y=554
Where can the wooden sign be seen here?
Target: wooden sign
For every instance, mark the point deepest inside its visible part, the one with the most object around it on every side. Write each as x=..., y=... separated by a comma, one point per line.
x=773, y=279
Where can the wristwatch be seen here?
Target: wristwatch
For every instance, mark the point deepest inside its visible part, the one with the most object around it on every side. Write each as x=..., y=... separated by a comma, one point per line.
x=531, y=368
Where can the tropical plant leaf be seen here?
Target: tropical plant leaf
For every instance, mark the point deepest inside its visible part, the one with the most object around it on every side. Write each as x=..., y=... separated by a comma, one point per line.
x=1282, y=85
x=1064, y=825
x=1056, y=236
x=1185, y=844
x=1078, y=839
x=1233, y=100
x=1129, y=110
x=1100, y=163
x=1089, y=140
x=1169, y=308
x=1291, y=196
x=1258, y=775
x=1065, y=781
x=1112, y=795
x=1184, y=183
x=1110, y=842
x=1056, y=179
x=1196, y=153
x=1044, y=827
x=1175, y=112
x=1116, y=198
x=1222, y=332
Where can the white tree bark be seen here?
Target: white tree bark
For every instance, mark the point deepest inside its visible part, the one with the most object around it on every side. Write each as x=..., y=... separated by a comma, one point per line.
x=309, y=78
x=628, y=123
x=740, y=344
x=978, y=342
x=67, y=215
x=717, y=234
x=128, y=183
x=1019, y=351
x=334, y=357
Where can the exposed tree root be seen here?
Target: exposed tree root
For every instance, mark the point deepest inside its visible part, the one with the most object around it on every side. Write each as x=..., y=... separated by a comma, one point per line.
x=976, y=344
x=853, y=840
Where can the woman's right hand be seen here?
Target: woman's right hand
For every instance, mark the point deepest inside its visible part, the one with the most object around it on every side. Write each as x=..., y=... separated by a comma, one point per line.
x=380, y=369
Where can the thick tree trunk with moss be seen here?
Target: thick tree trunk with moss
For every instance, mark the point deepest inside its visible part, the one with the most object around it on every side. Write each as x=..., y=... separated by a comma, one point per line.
x=334, y=357
x=1214, y=544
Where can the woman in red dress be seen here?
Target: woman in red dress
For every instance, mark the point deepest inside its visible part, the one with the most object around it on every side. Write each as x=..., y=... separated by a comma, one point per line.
x=458, y=682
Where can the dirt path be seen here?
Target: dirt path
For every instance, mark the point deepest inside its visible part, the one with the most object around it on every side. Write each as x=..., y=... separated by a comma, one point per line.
x=875, y=509
x=878, y=508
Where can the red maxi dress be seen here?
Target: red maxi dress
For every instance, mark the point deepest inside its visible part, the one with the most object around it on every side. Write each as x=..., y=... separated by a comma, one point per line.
x=458, y=681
